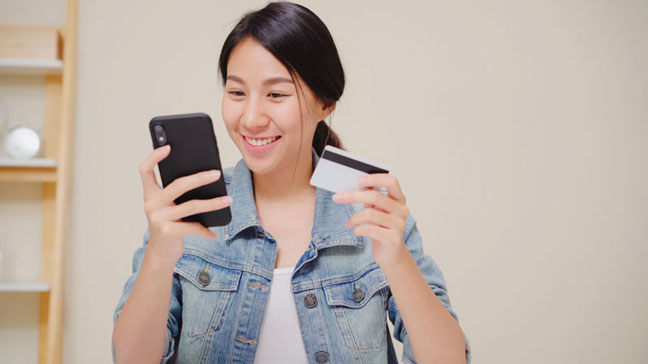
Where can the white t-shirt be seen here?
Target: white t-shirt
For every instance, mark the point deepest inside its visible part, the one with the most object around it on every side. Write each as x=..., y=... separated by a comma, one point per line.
x=280, y=340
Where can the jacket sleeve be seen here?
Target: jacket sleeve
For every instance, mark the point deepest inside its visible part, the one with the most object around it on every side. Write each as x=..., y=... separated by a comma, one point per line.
x=175, y=307
x=435, y=280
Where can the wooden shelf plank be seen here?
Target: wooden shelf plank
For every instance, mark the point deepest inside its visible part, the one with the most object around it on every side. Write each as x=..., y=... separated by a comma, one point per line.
x=34, y=162
x=31, y=170
x=24, y=287
x=31, y=66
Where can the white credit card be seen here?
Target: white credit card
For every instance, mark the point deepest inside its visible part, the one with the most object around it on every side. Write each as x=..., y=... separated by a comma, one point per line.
x=338, y=170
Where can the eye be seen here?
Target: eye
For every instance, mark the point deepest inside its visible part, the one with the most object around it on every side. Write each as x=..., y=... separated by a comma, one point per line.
x=276, y=95
x=237, y=93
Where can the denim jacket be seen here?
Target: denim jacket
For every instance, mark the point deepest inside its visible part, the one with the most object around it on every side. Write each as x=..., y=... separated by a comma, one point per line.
x=220, y=288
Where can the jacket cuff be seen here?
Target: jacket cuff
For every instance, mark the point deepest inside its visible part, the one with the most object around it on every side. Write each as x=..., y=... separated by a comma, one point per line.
x=169, y=350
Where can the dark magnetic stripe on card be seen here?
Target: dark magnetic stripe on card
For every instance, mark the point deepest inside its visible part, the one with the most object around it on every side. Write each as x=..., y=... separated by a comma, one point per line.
x=352, y=163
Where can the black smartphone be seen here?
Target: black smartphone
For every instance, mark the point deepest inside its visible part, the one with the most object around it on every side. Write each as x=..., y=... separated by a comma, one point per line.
x=193, y=150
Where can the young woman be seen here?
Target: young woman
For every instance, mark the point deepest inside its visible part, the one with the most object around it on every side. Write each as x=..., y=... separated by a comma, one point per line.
x=299, y=275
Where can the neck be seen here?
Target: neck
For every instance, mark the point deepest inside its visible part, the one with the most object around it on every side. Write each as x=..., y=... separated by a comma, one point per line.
x=285, y=185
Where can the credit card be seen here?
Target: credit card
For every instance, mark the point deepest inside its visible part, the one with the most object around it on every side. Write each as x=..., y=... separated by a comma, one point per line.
x=338, y=170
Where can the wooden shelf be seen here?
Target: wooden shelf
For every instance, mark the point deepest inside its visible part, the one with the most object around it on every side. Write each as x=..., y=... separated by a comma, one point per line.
x=37, y=50
x=34, y=162
x=30, y=66
x=24, y=287
x=31, y=170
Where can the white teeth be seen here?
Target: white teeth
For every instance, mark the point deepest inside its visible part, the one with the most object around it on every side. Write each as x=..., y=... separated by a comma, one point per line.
x=259, y=142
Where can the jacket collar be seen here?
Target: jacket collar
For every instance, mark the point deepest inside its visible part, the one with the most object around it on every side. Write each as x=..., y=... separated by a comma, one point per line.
x=328, y=226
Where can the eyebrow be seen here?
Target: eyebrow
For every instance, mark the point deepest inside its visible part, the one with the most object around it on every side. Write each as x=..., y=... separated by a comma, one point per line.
x=269, y=81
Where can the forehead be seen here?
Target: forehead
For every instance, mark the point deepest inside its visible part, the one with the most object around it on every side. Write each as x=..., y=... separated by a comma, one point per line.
x=251, y=61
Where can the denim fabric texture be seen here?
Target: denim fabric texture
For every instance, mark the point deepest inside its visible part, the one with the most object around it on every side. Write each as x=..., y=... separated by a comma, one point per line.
x=220, y=288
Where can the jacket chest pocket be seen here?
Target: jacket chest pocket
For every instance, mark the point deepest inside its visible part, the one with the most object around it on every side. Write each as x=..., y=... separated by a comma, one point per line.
x=207, y=294
x=359, y=310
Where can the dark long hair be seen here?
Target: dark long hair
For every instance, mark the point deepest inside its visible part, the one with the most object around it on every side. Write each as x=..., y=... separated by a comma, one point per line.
x=302, y=43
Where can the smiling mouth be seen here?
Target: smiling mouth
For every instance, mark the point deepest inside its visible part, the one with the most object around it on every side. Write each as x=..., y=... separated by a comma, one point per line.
x=259, y=142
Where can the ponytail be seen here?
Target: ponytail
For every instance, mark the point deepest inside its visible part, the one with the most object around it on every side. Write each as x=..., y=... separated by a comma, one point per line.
x=325, y=136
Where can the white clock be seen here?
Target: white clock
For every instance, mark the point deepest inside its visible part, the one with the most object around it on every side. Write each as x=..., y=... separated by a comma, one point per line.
x=22, y=142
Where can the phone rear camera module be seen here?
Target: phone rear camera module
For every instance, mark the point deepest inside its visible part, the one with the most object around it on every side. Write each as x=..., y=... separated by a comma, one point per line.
x=160, y=135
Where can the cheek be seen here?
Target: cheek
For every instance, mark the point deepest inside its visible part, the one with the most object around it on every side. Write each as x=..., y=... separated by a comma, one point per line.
x=287, y=116
x=231, y=112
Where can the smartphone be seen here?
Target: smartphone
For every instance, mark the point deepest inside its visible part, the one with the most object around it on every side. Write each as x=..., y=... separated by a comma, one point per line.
x=193, y=150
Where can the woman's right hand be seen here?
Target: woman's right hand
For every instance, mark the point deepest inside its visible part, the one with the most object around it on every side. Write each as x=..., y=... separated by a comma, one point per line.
x=164, y=216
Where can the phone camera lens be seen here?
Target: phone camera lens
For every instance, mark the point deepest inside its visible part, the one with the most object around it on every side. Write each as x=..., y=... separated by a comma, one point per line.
x=160, y=135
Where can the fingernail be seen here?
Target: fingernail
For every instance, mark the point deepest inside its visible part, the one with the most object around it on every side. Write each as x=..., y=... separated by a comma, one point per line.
x=228, y=199
x=337, y=197
x=214, y=174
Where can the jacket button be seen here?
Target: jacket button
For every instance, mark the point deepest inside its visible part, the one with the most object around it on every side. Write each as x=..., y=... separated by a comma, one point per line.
x=358, y=295
x=322, y=357
x=310, y=301
x=204, y=278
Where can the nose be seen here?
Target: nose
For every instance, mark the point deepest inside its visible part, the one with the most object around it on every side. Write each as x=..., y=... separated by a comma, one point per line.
x=254, y=116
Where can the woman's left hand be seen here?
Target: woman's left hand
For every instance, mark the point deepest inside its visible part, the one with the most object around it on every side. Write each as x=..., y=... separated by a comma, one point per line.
x=383, y=218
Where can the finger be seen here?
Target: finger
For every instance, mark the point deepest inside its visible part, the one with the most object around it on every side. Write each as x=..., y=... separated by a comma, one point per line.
x=149, y=182
x=371, y=206
x=373, y=216
x=196, y=228
x=376, y=233
x=187, y=183
x=389, y=181
x=372, y=197
x=193, y=207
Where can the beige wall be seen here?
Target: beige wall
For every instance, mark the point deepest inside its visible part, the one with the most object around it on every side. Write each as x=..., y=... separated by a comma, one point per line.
x=517, y=129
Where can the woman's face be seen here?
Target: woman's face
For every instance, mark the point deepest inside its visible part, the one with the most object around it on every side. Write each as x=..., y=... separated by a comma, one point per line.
x=262, y=112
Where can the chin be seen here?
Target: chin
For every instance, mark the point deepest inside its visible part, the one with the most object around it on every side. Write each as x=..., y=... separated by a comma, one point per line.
x=258, y=167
